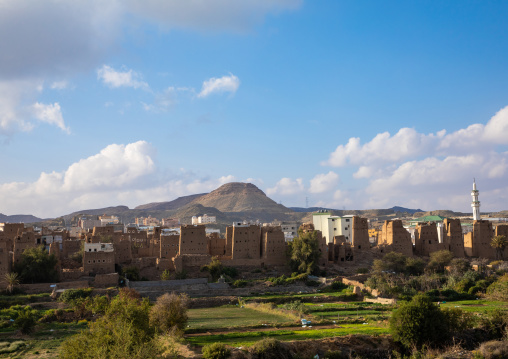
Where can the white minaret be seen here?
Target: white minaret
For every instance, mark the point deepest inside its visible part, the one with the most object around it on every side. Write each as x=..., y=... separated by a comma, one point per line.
x=475, y=204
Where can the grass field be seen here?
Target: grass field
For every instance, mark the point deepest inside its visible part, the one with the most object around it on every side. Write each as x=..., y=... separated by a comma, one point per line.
x=44, y=343
x=476, y=306
x=248, y=338
x=232, y=317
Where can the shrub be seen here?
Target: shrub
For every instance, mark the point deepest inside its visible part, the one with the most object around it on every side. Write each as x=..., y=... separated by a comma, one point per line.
x=270, y=348
x=123, y=332
x=499, y=289
x=70, y=295
x=216, y=351
x=169, y=313
x=26, y=320
x=419, y=322
x=166, y=275
x=362, y=270
x=338, y=285
x=493, y=350
x=240, y=283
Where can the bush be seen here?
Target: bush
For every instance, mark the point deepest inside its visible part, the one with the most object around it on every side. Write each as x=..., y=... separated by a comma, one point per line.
x=169, y=313
x=216, y=351
x=70, y=295
x=419, y=322
x=240, y=283
x=166, y=275
x=493, y=350
x=362, y=270
x=499, y=289
x=269, y=348
x=26, y=320
x=123, y=332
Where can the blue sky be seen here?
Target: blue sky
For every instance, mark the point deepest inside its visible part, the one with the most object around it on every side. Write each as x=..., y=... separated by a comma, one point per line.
x=351, y=104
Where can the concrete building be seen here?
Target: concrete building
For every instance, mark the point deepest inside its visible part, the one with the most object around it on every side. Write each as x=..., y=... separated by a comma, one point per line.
x=331, y=226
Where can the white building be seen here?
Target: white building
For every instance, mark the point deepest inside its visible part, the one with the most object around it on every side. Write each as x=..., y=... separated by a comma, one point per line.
x=98, y=247
x=331, y=226
x=207, y=219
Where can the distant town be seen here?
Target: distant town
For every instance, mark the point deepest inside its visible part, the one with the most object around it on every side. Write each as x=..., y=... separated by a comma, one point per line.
x=99, y=246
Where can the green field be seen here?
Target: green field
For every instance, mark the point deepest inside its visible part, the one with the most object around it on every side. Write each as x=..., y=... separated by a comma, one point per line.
x=232, y=317
x=248, y=338
x=476, y=306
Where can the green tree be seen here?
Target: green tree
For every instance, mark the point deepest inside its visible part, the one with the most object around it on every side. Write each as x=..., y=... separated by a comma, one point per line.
x=439, y=260
x=37, y=266
x=12, y=280
x=169, y=313
x=499, y=243
x=215, y=268
x=304, y=252
x=419, y=322
x=392, y=262
x=123, y=332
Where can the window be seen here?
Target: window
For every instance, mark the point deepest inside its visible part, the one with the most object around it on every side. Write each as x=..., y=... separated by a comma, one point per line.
x=347, y=219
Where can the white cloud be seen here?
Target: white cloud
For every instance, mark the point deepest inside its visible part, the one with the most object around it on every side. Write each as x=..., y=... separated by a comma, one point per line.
x=118, y=174
x=51, y=114
x=218, y=85
x=20, y=112
x=324, y=182
x=115, y=79
x=45, y=41
x=286, y=186
x=419, y=170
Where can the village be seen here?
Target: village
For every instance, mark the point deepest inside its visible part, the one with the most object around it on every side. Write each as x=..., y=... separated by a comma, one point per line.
x=98, y=249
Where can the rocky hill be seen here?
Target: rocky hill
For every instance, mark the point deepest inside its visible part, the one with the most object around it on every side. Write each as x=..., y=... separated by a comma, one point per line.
x=172, y=205
x=240, y=197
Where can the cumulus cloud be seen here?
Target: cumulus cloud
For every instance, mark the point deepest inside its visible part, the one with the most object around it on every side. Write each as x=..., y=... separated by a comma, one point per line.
x=50, y=113
x=411, y=168
x=118, y=174
x=19, y=111
x=324, y=182
x=286, y=186
x=218, y=85
x=115, y=79
x=43, y=42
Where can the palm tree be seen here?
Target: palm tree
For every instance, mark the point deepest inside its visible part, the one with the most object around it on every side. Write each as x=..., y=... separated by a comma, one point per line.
x=12, y=280
x=499, y=243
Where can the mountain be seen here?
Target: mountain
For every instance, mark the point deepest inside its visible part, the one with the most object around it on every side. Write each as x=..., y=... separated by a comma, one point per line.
x=405, y=210
x=240, y=197
x=19, y=218
x=309, y=209
x=172, y=205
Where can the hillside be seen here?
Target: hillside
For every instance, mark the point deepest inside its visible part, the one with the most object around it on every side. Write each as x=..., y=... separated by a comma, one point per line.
x=240, y=197
x=171, y=205
x=19, y=218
